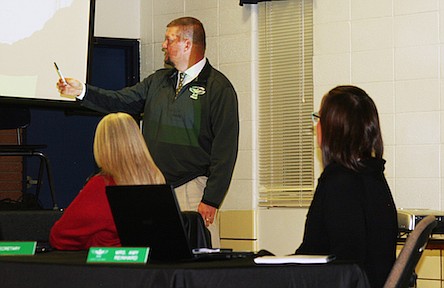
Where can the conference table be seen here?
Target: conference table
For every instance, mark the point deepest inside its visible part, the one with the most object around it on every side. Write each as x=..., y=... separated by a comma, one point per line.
x=70, y=269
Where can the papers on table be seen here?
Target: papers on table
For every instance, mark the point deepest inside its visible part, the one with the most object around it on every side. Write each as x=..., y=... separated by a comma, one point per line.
x=297, y=259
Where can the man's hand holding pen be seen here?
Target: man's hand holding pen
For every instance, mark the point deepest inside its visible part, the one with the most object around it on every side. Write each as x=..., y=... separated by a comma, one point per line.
x=70, y=86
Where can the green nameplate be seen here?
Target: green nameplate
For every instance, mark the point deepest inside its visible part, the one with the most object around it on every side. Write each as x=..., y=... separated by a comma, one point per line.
x=117, y=255
x=17, y=248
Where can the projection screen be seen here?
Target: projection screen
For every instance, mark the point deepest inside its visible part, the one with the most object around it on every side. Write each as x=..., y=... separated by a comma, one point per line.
x=34, y=35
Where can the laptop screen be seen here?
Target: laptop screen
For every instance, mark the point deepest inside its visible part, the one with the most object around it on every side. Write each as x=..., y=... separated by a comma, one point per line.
x=149, y=216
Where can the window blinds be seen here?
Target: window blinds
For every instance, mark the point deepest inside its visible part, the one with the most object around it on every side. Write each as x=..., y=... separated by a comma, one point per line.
x=286, y=146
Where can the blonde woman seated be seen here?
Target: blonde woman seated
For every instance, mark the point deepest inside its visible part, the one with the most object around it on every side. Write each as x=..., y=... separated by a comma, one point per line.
x=121, y=153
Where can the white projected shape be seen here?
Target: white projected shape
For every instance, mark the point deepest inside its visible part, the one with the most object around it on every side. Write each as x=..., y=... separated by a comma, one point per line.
x=27, y=17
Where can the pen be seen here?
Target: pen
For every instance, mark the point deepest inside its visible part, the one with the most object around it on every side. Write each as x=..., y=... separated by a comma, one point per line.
x=59, y=72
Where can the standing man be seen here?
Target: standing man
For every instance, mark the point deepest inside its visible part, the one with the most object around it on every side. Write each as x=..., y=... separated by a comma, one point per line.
x=190, y=119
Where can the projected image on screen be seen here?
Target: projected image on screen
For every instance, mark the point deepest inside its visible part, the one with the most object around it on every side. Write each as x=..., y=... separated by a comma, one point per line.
x=34, y=35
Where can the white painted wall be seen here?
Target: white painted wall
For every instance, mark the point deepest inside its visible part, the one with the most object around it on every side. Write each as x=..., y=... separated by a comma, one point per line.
x=393, y=50
x=117, y=18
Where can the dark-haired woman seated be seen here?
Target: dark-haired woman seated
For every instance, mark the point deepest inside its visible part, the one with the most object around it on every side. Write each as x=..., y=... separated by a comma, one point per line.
x=352, y=214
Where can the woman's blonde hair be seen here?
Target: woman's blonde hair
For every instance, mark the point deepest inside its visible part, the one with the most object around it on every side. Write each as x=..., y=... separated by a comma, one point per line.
x=121, y=152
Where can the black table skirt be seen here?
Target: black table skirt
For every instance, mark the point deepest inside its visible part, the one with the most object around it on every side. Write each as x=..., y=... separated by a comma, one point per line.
x=69, y=269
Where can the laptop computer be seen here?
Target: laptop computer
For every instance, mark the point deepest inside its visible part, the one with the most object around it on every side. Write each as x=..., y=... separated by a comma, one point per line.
x=150, y=216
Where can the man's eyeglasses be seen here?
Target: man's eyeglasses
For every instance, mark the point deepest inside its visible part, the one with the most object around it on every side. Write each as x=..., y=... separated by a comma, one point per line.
x=315, y=117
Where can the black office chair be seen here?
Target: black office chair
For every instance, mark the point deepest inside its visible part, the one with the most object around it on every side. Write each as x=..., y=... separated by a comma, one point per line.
x=27, y=225
x=19, y=118
x=198, y=235
x=401, y=274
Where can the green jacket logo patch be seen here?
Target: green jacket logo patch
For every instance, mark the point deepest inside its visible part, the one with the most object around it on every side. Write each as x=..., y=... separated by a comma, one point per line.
x=196, y=92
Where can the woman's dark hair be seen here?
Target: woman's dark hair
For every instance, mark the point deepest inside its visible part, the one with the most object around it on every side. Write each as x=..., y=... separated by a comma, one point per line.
x=350, y=130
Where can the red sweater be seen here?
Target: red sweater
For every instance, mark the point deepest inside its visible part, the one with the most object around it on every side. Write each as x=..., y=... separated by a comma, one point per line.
x=87, y=221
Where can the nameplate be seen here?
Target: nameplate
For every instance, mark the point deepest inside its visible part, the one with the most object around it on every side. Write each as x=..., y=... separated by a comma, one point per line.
x=17, y=248
x=117, y=255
